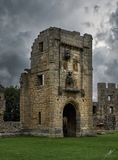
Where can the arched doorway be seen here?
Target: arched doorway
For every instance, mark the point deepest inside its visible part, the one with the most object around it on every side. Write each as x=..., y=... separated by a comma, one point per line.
x=69, y=120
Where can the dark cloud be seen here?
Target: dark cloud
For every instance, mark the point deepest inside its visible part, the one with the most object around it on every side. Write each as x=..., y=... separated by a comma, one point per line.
x=107, y=56
x=88, y=24
x=114, y=18
x=112, y=69
x=112, y=64
x=86, y=9
x=105, y=59
x=10, y=68
x=99, y=64
x=13, y=58
x=101, y=36
x=13, y=44
x=108, y=4
x=96, y=8
x=38, y=11
x=20, y=22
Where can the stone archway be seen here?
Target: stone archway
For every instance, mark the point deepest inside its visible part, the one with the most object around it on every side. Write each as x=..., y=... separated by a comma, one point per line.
x=69, y=120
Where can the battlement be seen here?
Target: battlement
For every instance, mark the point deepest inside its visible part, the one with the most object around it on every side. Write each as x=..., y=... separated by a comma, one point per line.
x=101, y=85
x=112, y=85
x=107, y=86
x=74, y=33
x=55, y=29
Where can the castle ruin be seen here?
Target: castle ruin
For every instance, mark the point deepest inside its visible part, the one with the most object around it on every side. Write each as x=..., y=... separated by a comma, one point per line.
x=105, y=111
x=56, y=93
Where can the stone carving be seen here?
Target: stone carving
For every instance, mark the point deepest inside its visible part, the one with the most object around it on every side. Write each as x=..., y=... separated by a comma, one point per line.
x=69, y=80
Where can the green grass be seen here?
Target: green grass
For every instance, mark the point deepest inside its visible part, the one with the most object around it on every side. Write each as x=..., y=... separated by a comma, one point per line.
x=103, y=147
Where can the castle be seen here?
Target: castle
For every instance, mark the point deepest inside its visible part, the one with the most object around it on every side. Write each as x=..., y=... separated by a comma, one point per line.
x=56, y=92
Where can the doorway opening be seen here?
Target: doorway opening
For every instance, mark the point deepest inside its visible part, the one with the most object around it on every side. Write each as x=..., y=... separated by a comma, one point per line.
x=69, y=120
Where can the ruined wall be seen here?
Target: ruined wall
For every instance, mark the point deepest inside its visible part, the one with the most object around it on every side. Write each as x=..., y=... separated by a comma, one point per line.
x=2, y=103
x=107, y=112
x=61, y=73
x=7, y=128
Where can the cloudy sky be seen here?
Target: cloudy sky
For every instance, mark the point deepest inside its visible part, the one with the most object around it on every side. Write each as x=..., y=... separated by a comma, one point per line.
x=22, y=20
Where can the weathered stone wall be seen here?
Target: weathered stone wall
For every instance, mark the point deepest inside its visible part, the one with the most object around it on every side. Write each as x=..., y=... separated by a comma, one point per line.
x=50, y=97
x=10, y=127
x=107, y=109
x=2, y=104
x=6, y=128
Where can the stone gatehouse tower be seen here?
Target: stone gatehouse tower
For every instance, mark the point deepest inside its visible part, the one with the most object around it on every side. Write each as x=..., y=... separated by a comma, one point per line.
x=56, y=93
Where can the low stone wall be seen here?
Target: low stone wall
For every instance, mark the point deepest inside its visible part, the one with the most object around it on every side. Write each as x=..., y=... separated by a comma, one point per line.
x=10, y=127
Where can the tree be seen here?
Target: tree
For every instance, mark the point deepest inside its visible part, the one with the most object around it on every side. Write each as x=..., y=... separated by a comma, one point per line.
x=12, y=98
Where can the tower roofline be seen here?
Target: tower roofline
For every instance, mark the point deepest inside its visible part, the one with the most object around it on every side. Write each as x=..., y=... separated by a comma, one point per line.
x=86, y=35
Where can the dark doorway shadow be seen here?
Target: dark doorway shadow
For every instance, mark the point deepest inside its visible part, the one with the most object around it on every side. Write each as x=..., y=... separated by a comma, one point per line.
x=69, y=121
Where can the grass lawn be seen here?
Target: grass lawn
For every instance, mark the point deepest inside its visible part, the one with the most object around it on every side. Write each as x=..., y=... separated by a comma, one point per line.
x=104, y=147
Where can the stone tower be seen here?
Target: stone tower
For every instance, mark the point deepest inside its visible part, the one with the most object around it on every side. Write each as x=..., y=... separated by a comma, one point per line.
x=108, y=105
x=56, y=93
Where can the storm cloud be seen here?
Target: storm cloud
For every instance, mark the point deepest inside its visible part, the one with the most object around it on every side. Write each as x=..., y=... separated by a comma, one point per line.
x=108, y=51
x=21, y=21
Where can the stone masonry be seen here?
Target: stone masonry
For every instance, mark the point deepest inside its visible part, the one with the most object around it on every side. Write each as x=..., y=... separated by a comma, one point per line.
x=2, y=103
x=56, y=93
x=7, y=128
x=105, y=111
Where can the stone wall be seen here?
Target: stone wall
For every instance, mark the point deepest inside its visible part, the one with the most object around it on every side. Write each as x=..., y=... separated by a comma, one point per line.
x=10, y=127
x=7, y=128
